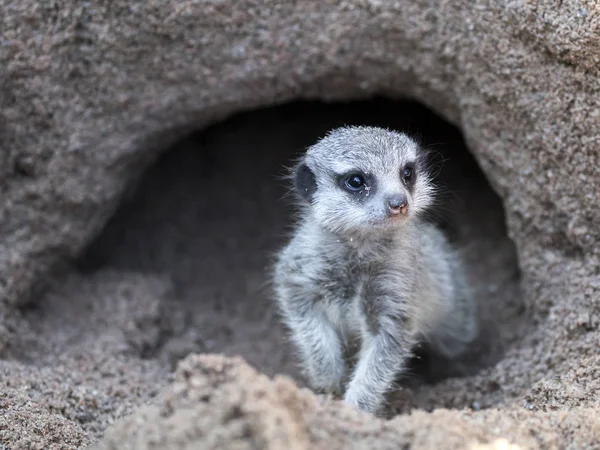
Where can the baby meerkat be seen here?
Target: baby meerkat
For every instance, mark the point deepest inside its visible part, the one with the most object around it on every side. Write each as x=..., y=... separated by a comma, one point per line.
x=363, y=266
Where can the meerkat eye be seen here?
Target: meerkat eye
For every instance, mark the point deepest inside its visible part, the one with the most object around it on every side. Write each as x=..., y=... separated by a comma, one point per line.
x=408, y=173
x=355, y=182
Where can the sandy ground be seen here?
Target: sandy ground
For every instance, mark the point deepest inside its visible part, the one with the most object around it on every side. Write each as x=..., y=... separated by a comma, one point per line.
x=183, y=268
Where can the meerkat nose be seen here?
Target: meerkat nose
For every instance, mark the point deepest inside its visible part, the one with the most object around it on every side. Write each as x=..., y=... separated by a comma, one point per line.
x=397, y=204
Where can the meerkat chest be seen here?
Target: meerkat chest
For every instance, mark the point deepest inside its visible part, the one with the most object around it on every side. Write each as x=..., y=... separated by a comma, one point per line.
x=342, y=307
x=339, y=284
x=343, y=295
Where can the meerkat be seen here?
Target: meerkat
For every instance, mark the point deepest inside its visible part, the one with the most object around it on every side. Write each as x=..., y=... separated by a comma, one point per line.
x=363, y=266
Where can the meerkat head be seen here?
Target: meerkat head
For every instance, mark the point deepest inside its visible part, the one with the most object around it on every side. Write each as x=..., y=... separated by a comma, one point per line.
x=359, y=180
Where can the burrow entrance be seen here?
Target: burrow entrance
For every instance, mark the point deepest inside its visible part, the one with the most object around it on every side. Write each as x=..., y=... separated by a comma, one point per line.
x=196, y=238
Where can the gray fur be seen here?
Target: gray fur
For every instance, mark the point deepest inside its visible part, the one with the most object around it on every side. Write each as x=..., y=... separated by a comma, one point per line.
x=354, y=272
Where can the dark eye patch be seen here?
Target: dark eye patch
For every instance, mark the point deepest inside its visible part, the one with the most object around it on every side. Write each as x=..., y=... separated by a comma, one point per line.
x=357, y=183
x=408, y=174
x=408, y=171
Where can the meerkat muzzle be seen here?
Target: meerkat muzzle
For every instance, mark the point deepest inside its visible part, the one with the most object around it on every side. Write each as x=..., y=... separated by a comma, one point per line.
x=397, y=204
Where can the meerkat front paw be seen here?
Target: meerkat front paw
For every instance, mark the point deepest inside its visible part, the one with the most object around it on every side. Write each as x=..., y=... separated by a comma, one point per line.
x=362, y=401
x=333, y=389
x=326, y=380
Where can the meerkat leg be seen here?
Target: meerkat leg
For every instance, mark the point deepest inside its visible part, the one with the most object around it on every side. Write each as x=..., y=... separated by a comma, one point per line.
x=319, y=346
x=382, y=358
x=387, y=343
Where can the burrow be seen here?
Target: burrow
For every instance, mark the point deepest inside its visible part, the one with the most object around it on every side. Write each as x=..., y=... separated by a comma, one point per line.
x=194, y=239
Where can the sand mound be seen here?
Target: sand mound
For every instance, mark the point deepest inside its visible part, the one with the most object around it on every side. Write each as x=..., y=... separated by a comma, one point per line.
x=108, y=278
x=223, y=403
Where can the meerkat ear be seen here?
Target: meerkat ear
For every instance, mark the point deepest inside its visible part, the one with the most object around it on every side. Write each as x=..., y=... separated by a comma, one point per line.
x=305, y=182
